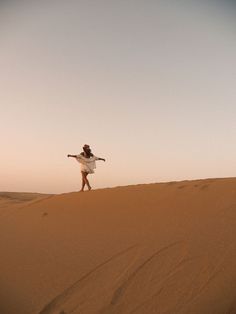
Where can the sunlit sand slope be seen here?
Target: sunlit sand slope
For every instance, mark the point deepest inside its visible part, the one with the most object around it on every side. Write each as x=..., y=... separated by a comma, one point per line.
x=155, y=248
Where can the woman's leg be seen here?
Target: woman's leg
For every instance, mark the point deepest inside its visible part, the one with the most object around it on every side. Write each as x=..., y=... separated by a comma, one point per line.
x=85, y=181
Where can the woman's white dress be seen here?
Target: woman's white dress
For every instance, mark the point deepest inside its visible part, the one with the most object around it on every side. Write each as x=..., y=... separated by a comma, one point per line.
x=87, y=164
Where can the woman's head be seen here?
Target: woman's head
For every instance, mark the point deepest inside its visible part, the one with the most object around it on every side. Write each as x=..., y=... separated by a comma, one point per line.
x=86, y=149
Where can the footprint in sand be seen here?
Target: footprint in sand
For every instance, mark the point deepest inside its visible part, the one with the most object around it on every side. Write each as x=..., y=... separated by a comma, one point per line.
x=204, y=187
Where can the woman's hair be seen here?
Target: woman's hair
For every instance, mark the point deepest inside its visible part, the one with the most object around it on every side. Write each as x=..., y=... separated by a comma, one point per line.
x=87, y=151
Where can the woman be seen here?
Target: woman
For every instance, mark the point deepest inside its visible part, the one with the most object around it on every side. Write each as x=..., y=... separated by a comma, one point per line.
x=87, y=164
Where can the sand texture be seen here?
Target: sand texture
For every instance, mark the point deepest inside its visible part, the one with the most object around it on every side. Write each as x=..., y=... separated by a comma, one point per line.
x=152, y=248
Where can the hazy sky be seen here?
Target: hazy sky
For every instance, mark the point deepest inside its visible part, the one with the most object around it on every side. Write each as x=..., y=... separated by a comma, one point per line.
x=149, y=84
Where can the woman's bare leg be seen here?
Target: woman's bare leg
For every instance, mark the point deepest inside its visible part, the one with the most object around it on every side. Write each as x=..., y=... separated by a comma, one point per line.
x=85, y=181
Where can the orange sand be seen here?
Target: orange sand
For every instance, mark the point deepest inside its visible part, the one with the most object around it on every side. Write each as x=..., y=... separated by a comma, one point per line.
x=155, y=248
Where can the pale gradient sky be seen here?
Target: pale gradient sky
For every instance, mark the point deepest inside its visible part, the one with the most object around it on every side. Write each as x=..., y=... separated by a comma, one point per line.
x=150, y=85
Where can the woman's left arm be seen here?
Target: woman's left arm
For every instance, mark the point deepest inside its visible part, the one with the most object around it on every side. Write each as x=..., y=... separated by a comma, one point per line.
x=98, y=158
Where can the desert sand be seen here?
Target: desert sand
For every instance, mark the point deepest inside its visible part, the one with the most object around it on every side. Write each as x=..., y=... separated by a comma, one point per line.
x=148, y=248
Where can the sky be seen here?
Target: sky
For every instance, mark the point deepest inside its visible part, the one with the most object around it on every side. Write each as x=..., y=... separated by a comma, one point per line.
x=149, y=84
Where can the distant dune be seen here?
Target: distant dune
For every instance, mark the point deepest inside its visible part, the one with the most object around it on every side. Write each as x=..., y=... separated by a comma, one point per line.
x=9, y=201
x=9, y=197
x=152, y=248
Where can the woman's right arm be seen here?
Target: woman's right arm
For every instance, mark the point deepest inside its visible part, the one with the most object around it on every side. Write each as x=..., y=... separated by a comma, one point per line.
x=74, y=156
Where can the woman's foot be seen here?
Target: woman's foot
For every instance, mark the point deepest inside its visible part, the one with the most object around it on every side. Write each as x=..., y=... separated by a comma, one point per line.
x=89, y=188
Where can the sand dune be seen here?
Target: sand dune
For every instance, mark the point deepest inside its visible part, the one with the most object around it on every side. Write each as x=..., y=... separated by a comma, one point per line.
x=155, y=248
x=9, y=198
x=9, y=201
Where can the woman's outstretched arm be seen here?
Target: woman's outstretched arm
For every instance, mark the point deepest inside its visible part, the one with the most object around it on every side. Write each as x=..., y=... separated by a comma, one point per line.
x=98, y=158
x=74, y=156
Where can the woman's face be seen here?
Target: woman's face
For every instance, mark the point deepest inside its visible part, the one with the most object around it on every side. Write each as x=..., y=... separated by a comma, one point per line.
x=87, y=150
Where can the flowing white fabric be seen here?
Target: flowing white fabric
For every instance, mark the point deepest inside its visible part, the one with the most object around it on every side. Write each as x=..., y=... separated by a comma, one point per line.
x=87, y=164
